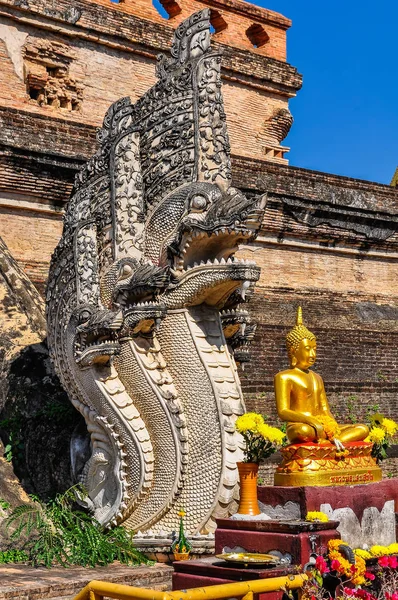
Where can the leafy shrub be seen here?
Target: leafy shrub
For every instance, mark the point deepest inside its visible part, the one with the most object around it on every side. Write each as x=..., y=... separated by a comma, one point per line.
x=13, y=556
x=56, y=533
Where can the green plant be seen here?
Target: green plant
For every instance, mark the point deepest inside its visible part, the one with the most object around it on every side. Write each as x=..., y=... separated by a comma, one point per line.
x=4, y=505
x=14, y=427
x=57, y=412
x=14, y=446
x=58, y=534
x=373, y=408
x=352, y=409
x=283, y=427
x=13, y=556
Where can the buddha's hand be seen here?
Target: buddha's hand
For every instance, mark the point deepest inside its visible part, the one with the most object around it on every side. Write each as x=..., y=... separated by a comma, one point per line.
x=319, y=429
x=339, y=445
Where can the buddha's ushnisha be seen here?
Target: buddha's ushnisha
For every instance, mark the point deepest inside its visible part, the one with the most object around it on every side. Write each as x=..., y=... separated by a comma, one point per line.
x=301, y=399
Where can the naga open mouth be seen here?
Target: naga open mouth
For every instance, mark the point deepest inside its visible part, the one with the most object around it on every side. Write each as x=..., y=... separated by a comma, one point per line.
x=212, y=283
x=143, y=317
x=96, y=345
x=200, y=247
x=96, y=338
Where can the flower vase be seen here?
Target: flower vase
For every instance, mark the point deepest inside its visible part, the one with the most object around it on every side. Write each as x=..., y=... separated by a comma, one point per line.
x=248, y=504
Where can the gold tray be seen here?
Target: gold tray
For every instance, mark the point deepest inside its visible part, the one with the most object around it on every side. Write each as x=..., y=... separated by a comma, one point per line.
x=249, y=558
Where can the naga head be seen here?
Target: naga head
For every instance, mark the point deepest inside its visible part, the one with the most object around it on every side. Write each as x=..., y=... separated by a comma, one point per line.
x=195, y=232
x=96, y=335
x=159, y=218
x=133, y=286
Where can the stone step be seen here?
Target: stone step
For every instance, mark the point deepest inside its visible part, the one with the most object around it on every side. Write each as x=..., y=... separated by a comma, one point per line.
x=19, y=582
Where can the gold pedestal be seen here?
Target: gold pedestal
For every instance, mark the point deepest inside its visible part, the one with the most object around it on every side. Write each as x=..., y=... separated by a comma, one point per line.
x=321, y=465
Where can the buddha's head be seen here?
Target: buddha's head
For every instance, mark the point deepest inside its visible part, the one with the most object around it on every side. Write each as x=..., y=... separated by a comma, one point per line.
x=301, y=344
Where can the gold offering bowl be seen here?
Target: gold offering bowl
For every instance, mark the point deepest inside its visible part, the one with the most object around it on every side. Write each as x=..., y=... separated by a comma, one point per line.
x=249, y=558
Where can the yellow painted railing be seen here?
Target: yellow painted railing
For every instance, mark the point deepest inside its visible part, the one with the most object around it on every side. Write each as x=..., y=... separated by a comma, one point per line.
x=97, y=590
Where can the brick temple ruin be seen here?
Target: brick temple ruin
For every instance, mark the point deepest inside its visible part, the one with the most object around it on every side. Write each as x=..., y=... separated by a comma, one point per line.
x=327, y=242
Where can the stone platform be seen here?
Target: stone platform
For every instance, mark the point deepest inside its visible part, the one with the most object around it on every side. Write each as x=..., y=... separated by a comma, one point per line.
x=366, y=512
x=19, y=582
x=158, y=547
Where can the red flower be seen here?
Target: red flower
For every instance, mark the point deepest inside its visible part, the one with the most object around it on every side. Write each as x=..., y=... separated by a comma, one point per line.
x=369, y=576
x=394, y=596
x=383, y=561
x=392, y=562
x=359, y=593
x=335, y=565
x=321, y=565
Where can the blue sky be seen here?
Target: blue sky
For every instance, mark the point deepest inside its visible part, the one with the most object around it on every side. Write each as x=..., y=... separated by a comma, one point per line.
x=346, y=114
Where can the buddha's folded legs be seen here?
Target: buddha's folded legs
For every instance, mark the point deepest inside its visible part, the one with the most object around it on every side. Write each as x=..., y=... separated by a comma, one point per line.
x=353, y=432
x=299, y=433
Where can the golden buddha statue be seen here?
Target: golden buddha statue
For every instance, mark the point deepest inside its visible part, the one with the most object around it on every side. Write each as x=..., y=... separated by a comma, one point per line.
x=301, y=401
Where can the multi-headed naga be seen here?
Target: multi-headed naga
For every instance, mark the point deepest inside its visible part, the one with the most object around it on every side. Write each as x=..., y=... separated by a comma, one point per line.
x=137, y=286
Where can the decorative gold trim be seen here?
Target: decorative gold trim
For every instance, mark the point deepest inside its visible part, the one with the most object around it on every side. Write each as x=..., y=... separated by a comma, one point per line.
x=320, y=465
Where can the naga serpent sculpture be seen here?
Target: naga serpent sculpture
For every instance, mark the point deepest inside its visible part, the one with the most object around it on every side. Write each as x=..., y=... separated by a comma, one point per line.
x=142, y=284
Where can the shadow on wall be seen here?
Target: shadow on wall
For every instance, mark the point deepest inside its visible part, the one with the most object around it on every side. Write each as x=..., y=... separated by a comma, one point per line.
x=36, y=424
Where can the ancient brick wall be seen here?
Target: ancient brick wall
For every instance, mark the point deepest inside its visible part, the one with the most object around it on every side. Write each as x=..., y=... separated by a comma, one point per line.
x=357, y=350
x=234, y=22
x=33, y=190
x=72, y=64
x=32, y=237
x=328, y=244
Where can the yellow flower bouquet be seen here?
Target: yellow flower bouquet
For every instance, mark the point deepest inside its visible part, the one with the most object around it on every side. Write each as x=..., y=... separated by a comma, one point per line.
x=381, y=432
x=261, y=439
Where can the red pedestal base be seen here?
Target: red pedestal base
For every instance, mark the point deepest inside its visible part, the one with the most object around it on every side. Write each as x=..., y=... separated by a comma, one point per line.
x=357, y=497
x=366, y=512
x=297, y=539
x=212, y=571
